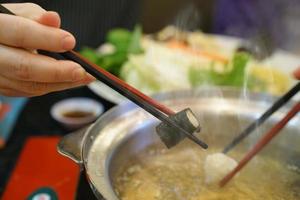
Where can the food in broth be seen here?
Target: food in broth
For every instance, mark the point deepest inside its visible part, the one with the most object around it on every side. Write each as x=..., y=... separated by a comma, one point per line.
x=178, y=174
x=216, y=166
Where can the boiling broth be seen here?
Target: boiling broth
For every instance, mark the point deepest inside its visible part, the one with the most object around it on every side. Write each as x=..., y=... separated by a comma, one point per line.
x=158, y=174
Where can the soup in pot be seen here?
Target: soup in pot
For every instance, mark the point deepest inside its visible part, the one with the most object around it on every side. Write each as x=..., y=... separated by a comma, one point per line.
x=178, y=174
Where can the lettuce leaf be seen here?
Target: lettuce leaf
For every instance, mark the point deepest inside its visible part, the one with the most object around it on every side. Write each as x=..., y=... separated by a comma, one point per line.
x=125, y=43
x=234, y=77
x=120, y=38
x=134, y=46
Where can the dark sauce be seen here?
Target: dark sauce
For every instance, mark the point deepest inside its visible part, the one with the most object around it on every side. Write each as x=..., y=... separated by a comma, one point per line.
x=77, y=114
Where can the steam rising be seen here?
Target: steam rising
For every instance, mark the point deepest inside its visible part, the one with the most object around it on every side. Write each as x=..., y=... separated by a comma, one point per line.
x=188, y=19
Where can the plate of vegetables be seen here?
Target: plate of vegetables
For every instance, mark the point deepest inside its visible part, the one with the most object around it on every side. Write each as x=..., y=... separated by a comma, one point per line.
x=173, y=59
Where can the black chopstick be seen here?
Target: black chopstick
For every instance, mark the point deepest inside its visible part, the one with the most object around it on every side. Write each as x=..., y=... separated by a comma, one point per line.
x=71, y=55
x=262, y=143
x=5, y=10
x=129, y=92
x=278, y=104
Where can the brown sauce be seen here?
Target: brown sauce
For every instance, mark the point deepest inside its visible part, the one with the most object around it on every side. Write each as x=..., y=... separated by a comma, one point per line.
x=77, y=114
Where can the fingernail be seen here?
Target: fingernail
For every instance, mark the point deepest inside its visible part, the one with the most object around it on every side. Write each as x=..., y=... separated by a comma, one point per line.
x=88, y=79
x=68, y=42
x=78, y=74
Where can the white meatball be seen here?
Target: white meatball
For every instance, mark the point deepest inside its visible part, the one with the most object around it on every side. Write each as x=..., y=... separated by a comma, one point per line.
x=216, y=166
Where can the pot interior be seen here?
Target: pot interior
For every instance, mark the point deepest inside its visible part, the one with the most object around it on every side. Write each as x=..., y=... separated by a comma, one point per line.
x=126, y=139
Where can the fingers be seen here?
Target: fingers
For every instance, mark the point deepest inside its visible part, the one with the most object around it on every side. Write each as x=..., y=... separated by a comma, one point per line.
x=297, y=73
x=29, y=89
x=24, y=73
x=14, y=93
x=21, y=32
x=50, y=19
x=35, y=12
x=28, y=10
x=23, y=65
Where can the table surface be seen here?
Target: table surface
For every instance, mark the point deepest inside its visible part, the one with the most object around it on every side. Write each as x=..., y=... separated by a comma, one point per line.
x=35, y=120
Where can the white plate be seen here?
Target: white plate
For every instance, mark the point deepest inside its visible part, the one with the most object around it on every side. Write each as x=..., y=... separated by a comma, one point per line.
x=281, y=60
x=106, y=92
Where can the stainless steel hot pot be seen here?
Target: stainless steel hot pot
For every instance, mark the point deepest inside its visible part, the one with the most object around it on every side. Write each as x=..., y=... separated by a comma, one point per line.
x=125, y=130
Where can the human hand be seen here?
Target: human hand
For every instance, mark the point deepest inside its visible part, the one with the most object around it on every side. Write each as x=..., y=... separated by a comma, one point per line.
x=23, y=72
x=297, y=73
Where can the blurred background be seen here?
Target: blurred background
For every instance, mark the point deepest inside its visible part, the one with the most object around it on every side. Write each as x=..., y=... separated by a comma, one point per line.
x=158, y=14
x=242, y=18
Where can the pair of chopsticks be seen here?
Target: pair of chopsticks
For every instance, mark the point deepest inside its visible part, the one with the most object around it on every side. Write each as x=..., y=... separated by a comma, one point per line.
x=278, y=104
x=145, y=102
x=268, y=136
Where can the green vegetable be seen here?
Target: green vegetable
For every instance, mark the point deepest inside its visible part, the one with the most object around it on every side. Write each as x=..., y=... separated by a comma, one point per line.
x=120, y=38
x=112, y=62
x=134, y=46
x=201, y=77
x=234, y=77
x=90, y=54
x=125, y=43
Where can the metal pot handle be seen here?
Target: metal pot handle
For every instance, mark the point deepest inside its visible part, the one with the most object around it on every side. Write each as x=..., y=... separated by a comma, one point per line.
x=71, y=145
